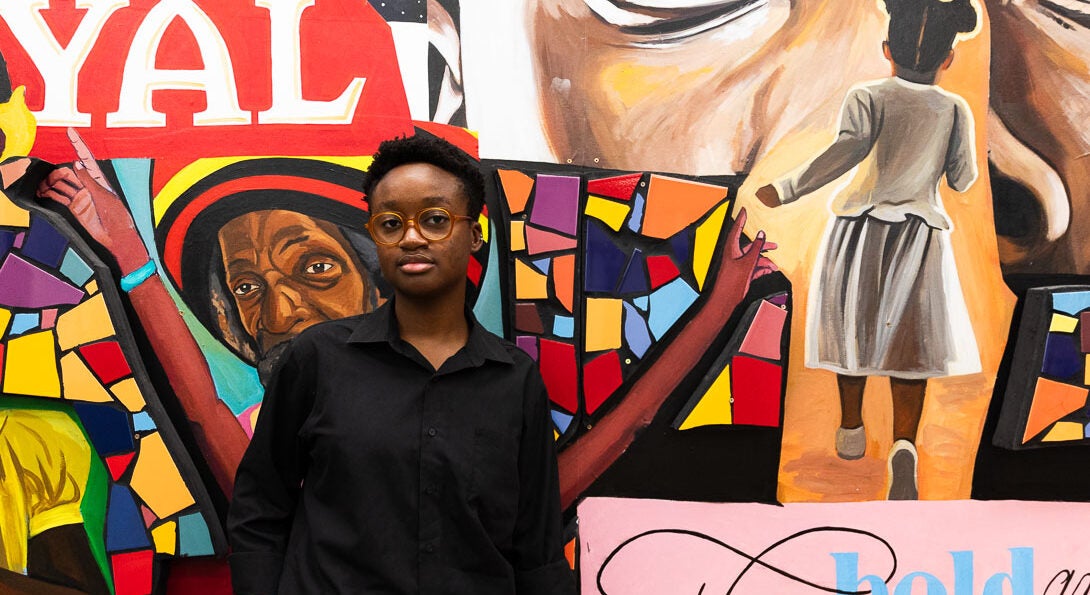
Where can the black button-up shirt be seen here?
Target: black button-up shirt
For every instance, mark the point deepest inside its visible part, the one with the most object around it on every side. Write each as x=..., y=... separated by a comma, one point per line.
x=372, y=472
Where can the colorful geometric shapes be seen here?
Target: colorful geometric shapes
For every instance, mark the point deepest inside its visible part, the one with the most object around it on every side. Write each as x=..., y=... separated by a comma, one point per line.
x=124, y=523
x=668, y=303
x=1051, y=401
x=529, y=284
x=106, y=359
x=5, y=318
x=527, y=319
x=755, y=385
x=560, y=373
x=641, y=302
x=75, y=269
x=561, y=420
x=556, y=203
x=707, y=237
x=765, y=332
x=518, y=236
x=601, y=376
x=132, y=572
x=634, y=279
x=620, y=187
x=516, y=188
x=542, y=264
x=682, y=245
x=165, y=537
x=673, y=204
x=603, y=324
x=1071, y=302
x=24, y=285
x=142, y=422
x=636, y=334
x=156, y=479
x=1065, y=431
x=7, y=242
x=713, y=408
x=607, y=211
x=1062, y=324
x=118, y=464
x=564, y=327
x=91, y=288
x=539, y=240
x=564, y=280
x=23, y=322
x=482, y=220
x=780, y=299
x=527, y=344
x=11, y=214
x=662, y=270
x=604, y=261
x=44, y=243
x=79, y=383
x=49, y=318
x=128, y=394
x=1063, y=356
x=89, y=321
x=193, y=537
x=107, y=427
x=1084, y=331
x=473, y=271
x=636, y=220
x=30, y=366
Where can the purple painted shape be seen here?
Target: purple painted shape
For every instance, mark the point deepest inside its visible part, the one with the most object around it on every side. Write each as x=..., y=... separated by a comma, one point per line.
x=23, y=285
x=556, y=203
x=19, y=237
x=44, y=243
x=527, y=344
x=780, y=299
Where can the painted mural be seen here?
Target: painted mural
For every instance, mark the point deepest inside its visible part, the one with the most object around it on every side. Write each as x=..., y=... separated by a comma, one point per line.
x=181, y=197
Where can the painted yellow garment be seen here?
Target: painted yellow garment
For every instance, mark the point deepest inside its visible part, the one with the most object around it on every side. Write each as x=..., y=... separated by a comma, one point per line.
x=44, y=464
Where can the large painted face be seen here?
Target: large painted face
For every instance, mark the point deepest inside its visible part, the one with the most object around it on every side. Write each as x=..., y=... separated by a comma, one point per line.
x=415, y=266
x=287, y=271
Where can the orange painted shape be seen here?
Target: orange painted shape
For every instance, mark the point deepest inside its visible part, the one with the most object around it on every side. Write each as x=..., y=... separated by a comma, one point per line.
x=564, y=280
x=673, y=204
x=1051, y=401
x=516, y=187
x=569, y=553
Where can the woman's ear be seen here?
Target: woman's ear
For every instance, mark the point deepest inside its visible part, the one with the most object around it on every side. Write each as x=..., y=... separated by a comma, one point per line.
x=886, y=51
x=946, y=63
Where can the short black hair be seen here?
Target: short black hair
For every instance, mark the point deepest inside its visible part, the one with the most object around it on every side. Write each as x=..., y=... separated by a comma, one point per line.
x=426, y=148
x=922, y=32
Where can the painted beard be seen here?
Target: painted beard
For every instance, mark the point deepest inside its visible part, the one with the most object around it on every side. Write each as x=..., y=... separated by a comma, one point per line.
x=269, y=361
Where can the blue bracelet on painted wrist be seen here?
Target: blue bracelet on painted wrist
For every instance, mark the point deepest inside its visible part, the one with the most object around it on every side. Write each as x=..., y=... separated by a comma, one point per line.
x=135, y=278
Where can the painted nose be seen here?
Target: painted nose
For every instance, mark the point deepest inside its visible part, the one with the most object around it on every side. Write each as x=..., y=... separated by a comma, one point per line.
x=282, y=310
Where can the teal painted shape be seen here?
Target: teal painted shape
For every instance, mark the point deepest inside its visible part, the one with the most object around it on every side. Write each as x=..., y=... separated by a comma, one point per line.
x=193, y=538
x=73, y=267
x=489, y=306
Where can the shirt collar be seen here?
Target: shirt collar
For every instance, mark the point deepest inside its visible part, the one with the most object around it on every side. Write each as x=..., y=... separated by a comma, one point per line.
x=380, y=326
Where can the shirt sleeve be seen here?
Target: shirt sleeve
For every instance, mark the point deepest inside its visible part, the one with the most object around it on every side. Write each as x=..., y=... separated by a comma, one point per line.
x=538, y=552
x=268, y=481
x=853, y=142
x=961, y=169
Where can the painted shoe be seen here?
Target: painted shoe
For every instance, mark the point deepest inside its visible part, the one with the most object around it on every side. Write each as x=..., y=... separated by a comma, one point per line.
x=851, y=443
x=902, y=471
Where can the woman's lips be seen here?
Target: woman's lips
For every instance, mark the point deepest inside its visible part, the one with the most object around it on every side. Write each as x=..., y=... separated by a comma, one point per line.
x=415, y=264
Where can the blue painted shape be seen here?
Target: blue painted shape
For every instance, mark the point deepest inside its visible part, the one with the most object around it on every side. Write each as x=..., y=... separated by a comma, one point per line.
x=124, y=523
x=564, y=326
x=7, y=242
x=635, y=276
x=542, y=264
x=635, y=331
x=43, y=242
x=107, y=427
x=193, y=537
x=682, y=243
x=1063, y=358
x=562, y=420
x=641, y=302
x=142, y=422
x=636, y=220
x=604, y=261
x=75, y=268
x=489, y=306
x=1071, y=302
x=668, y=303
x=23, y=322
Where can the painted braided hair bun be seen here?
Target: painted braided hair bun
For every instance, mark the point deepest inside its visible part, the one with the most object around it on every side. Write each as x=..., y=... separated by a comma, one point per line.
x=922, y=32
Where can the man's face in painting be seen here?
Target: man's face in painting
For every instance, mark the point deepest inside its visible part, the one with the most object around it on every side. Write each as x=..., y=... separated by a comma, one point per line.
x=287, y=271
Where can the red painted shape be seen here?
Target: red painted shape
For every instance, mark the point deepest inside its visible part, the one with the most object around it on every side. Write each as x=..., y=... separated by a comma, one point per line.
x=474, y=270
x=601, y=376
x=118, y=464
x=132, y=572
x=661, y=269
x=558, y=368
x=206, y=576
x=620, y=187
x=756, y=390
x=106, y=360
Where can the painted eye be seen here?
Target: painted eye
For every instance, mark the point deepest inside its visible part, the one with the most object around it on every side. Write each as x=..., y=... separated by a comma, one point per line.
x=245, y=288
x=318, y=268
x=671, y=20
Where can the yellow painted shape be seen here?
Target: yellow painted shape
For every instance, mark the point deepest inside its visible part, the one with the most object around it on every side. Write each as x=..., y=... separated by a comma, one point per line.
x=30, y=366
x=92, y=287
x=518, y=236
x=5, y=318
x=79, y=383
x=530, y=284
x=1086, y=370
x=11, y=214
x=626, y=83
x=610, y=212
x=484, y=226
x=19, y=126
x=89, y=321
x=603, y=324
x=128, y=393
x=714, y=407
x=165, y=537
x=1062, y=324
x=156, y=479
x=707, y=237
x=1065, y=431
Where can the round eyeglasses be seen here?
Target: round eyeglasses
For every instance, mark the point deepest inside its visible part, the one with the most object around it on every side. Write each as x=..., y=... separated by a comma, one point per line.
x=434, y=224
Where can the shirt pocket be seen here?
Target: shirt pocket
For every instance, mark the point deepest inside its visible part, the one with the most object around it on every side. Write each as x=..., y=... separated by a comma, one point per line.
x=494, y=490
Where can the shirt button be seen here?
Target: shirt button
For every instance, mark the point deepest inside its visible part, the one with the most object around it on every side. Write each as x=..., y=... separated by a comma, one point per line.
x=432, y=432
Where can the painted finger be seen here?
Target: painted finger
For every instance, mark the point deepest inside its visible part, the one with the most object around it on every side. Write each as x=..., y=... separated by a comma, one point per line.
x=58, y=197
x=87, y=159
